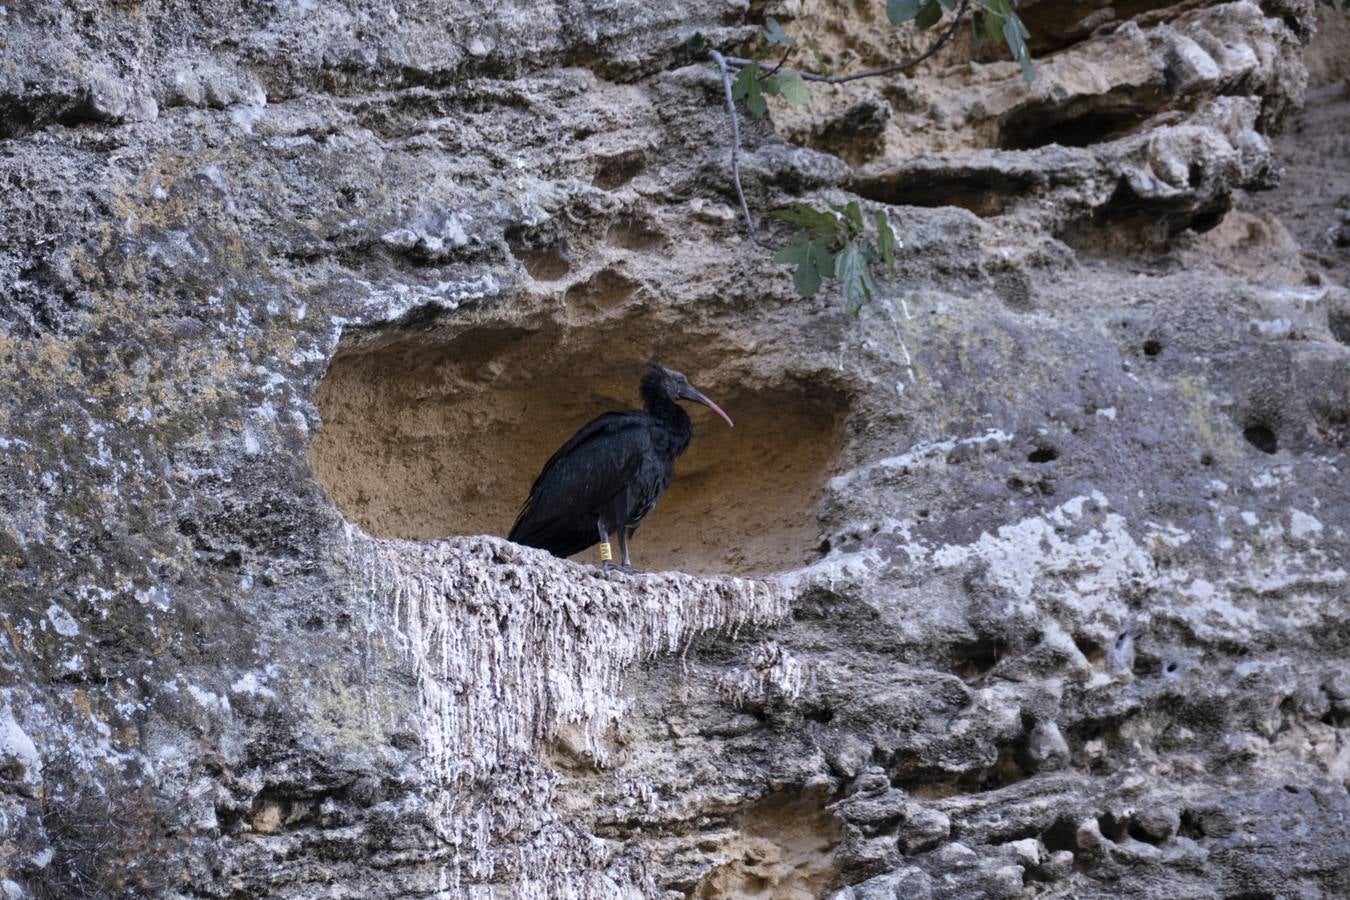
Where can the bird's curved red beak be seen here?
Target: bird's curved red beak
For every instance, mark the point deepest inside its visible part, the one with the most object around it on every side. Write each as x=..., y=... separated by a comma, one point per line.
x=697, y=396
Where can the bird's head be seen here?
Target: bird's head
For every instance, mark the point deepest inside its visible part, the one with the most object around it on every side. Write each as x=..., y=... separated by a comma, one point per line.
x=660, y=382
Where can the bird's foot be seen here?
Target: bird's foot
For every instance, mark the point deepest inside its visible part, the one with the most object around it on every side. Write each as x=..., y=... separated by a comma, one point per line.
x=610, y=566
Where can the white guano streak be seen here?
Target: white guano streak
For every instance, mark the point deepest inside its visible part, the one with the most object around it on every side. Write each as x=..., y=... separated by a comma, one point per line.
x=506, y=644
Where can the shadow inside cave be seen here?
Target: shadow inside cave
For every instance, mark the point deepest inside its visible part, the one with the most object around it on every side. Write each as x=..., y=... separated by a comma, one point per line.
x=434, y=432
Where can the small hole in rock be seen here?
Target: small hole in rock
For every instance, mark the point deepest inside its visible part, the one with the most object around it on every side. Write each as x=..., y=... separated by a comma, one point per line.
x=1015, y=290
x=1043, y=455
x=606, y=289
x=1068, y=125
x=985, y=193
x=822, y=714
x=1003, y=772
x=1339, y=322
x=1145, y=665
x=547, y=264
x=1092, y=651
x=1112, y=829
x=1137, y=832
x=1152, y=347
x=974, y=658
x=855, y=135
x=789, y=834
x=1063, y=835
x=615, y=172
x=634, y=234
x=1261, y=437
x=1206, y=459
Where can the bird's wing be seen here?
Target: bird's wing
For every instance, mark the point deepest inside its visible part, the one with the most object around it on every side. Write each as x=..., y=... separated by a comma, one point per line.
x=585, y=473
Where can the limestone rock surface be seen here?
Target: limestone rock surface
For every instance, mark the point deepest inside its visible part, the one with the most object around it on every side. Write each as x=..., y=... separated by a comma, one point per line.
x=1029, y=582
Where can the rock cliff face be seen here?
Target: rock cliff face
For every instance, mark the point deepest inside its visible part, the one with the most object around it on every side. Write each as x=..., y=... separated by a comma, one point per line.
x=1029, y=582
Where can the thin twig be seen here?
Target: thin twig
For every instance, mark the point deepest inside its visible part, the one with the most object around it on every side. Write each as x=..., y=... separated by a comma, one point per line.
x=937, y=45
x=787, y=51
x=723, y=62
x=735, y=142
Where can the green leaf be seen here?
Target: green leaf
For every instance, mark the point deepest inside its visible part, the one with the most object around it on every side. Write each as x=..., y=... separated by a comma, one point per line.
x=774, y=33
x=1027, y=71
x=995, y=16
x=1013, y=38
x=821, y=256
x=741, y=85
x=792, y=255
x=755, y=103
x=901, y=11
x=886, y=240
x=792, y=87
x=1001, y=23
x=977, y=29
x=855, y=278
x=993, y=26
x=697, y=45
x=853, y=213
x=1015, y=34
x=848, y=227
x=750, y=88
x=822, y=223
x=806, y=256
x=929, y=15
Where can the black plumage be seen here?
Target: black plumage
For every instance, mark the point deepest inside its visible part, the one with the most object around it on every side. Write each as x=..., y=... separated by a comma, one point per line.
x=608, y=477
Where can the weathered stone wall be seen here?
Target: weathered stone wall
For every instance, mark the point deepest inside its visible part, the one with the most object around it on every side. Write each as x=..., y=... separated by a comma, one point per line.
x=1029, y=582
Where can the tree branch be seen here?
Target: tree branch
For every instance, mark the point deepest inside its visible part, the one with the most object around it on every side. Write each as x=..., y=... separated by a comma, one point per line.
x=735, y=141
x=937, y=45
x=787, y=51
x=724, y=62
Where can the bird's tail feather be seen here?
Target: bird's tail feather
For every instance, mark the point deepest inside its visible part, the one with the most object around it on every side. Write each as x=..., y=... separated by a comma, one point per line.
x=554, y=536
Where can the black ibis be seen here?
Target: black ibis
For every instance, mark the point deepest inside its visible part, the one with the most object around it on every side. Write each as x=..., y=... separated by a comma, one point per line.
x=607, y=478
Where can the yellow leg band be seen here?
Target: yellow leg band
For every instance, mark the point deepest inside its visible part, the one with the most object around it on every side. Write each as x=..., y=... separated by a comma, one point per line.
x=606, y=555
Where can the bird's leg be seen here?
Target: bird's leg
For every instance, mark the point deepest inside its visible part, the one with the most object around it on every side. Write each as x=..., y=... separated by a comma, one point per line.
x=625, y=533
x=606, y=554
x=616, y=513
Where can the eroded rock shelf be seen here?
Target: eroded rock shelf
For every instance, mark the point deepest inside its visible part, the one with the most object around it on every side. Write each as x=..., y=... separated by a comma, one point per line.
x=1029, y=582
